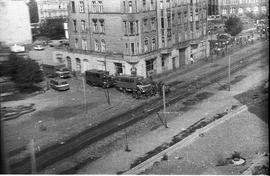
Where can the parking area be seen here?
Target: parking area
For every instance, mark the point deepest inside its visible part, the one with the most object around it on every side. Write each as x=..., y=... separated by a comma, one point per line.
x=63, y=113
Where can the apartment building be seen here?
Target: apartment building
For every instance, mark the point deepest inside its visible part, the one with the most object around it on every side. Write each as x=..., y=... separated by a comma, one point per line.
x=52, y=9
x=239, y=7
x=142, y=37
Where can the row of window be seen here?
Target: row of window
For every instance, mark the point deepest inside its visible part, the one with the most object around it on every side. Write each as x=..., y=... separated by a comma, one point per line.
x=83, y=25
x=96, y=6
x=131, y=27
x=149, y=45
x=149, y=24
x=98, y=45
x=234, y=10
x=98, y=25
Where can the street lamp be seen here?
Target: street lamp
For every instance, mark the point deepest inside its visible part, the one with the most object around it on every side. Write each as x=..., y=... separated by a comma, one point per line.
x=107, y=91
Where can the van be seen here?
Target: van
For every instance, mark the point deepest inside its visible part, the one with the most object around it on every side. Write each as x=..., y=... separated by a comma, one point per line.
x=59, y=84
x=99, y=78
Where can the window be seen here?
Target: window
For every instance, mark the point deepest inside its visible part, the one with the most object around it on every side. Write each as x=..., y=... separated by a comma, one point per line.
x=153, y=23
x=130, y=6
x=73, y=6
x=102, y=27
x=138, y=47
x=76, y=43
x=96, y=45
x=81, y=7
x=162, y=23
x=100, y=6
x=163, y=41
x=84, y=44
x=197, y=25
x=145, y=45
x=131, y=28
x=144, y=4
x=153, y=43
x=145, y=24
x=169, y=21
x=137, y=27
x=83, y=26
x=94, y=6
x=169, y=34
x=124, y=6
x=75, y=25
x=179, y=18
x=132, y=46
x=163, y=61
x=149, y=65
x=161, y=4
x=95, y=25
x=152, y=7
x=103, y=46
x=125, y=25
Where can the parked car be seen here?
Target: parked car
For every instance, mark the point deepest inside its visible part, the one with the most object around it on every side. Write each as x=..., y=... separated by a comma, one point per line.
x=63, y=72
x=59, y=84
x=99, y=78
x=38, y=47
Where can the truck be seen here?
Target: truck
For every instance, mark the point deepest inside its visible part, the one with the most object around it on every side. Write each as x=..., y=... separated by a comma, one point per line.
x=100, y=78
x=50, y=70
x=137, y=85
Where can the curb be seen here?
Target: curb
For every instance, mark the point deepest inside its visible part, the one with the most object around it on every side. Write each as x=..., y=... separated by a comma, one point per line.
x=149, y=162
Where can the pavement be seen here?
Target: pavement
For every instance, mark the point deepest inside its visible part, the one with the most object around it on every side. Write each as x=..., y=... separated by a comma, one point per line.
x=119, y=161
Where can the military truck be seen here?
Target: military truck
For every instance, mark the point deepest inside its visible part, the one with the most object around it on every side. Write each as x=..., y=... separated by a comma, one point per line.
x=99, y=78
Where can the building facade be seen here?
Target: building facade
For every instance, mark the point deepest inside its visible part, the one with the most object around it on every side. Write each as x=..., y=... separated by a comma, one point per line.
x=239, y=7
x=143, y=37
x=213, y=7
x=52, y=9
x=14, y=23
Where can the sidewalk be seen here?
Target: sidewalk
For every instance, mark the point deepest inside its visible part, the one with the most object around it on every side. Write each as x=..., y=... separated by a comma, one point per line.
x=119, y=160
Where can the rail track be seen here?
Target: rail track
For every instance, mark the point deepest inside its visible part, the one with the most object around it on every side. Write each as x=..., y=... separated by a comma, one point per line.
x=57, y=152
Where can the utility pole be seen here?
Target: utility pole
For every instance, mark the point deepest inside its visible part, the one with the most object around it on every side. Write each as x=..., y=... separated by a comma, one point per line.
x=33, y=157
x=107, y=91
x=229, y=74
x=84, y=95
x=164, y=105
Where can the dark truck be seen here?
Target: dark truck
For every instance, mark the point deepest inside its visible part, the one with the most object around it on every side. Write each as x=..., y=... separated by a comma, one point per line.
x=99, y=78
x=137, y=85
x=55, y=70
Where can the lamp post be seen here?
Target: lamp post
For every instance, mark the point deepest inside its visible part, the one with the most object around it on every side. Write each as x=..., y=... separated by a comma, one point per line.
x=107, y=91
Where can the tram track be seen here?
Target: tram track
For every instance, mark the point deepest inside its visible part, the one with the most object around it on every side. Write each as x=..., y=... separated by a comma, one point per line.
x=57, y=152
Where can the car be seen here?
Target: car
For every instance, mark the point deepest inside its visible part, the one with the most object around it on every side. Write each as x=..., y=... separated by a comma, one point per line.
x=59, y=84
x=38, y=47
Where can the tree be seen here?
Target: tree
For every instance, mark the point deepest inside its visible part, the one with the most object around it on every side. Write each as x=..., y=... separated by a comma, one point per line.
x=24, y=72
x=53, y=28
x=233, y=26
